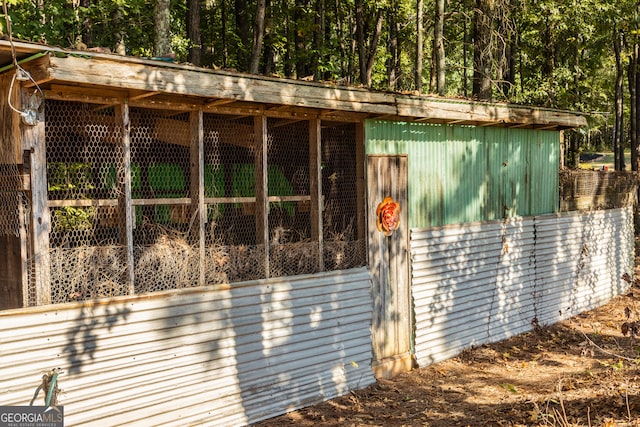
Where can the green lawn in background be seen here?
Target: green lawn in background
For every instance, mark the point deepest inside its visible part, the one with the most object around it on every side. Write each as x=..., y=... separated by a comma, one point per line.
x=607, y=160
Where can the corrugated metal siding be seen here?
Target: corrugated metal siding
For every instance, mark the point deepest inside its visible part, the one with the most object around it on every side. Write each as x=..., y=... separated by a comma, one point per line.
x=484, y=282
x=462, y=174
x=208, y=357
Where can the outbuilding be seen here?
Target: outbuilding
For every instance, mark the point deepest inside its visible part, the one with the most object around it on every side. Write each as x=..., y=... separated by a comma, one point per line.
x=195, y=246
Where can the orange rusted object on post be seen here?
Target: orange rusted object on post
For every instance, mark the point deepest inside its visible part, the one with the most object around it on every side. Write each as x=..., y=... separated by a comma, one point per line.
x=388, y=216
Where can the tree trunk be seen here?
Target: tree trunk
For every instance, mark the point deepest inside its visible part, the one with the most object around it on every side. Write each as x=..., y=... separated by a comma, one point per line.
x=465, y=63
x=87, y=25
x=419, y=44
x=367, y=49
x=438, y=44
x=300, y=39
x=392, y=47
x=223, y=35
x=362, y=61
x=342, y=47
x=119, y=35
x=269, y=51
x=162, y=20
x=373, y=47
x=290, y=47
x=482, y=55
x=633, y=110
x=503, y=37
x=635, y=158
x=242, y=31
x=193, y=32
x=550, y=63
x=618, y=127
x=318, y=39
x=258, y=36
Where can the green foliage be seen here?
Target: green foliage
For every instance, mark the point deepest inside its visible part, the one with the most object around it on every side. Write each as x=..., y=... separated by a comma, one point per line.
x=69, y=176
x=562, y=49
x=74, y=179
x=68, y=218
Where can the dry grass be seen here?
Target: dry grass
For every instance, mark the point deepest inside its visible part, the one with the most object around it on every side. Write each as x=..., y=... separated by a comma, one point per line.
x=171, y=262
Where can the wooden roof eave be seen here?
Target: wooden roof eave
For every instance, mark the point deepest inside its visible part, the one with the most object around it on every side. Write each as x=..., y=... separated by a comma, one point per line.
x=152, y=84
x=486, y=114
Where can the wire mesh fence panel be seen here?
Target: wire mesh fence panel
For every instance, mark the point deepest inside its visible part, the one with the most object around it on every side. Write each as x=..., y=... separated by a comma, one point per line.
x=15, y=247
x=165, y=249
x=86, y=167
x=292, y=249
x=233, y=250
x=83, y=152
x=343, y=247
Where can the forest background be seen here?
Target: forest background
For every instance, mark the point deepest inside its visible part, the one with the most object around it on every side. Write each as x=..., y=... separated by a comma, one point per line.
x=580, y=55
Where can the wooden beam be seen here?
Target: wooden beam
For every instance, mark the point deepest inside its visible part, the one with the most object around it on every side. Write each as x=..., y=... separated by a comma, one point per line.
x=81, y=203
x=315, y=187
x=34, y=137
x=425, y=109
x=177, y=132
x=142, y=95
x=101, y=95
x=218, y=102
x=206, y=83
x=125, y=213
x=173, y=81
x=198, y=208
x=262, y=192
x=285, y=122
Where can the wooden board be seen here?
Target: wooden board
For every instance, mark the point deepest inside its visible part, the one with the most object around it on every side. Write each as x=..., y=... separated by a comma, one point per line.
x=10, y=148
x=126, y=218
x=179, y=86
x=389, y=265
x=34, y=137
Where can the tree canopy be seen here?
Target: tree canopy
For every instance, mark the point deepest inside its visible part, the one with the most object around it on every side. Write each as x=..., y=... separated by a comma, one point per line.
x=565, y=54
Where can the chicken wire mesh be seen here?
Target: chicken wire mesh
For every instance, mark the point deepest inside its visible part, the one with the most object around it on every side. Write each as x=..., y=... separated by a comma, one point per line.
x=165, y=252
x=83, y=161
x=343, y=247
x=85, y=192
x=15, y=239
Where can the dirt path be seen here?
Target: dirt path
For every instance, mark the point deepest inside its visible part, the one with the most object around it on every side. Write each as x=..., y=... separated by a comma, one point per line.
x=580, y=372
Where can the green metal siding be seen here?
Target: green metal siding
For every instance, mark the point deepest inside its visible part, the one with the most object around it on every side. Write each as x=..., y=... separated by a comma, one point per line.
x=461, y=174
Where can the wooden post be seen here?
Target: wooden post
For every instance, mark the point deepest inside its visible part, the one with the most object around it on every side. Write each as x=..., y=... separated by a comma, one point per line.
x=34, y=138
x=125, y=205
x=262, y=193
x=198, y=208
x=315, y=184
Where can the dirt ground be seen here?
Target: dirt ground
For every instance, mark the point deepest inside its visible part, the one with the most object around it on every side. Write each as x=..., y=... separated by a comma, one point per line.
x=580, y=372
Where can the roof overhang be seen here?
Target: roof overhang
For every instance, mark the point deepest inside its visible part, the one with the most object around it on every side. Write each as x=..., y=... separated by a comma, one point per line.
x=108, y=79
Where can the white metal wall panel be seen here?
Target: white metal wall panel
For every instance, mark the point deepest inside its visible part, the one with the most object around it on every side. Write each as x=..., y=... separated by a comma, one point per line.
x=483, y=282
x=201, y=357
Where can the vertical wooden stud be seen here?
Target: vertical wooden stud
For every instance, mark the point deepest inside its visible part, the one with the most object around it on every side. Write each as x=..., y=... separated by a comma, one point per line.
x=262, y=193
x=34, y=137
x=198, y=208
x=126, y=216
x=315, y=184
